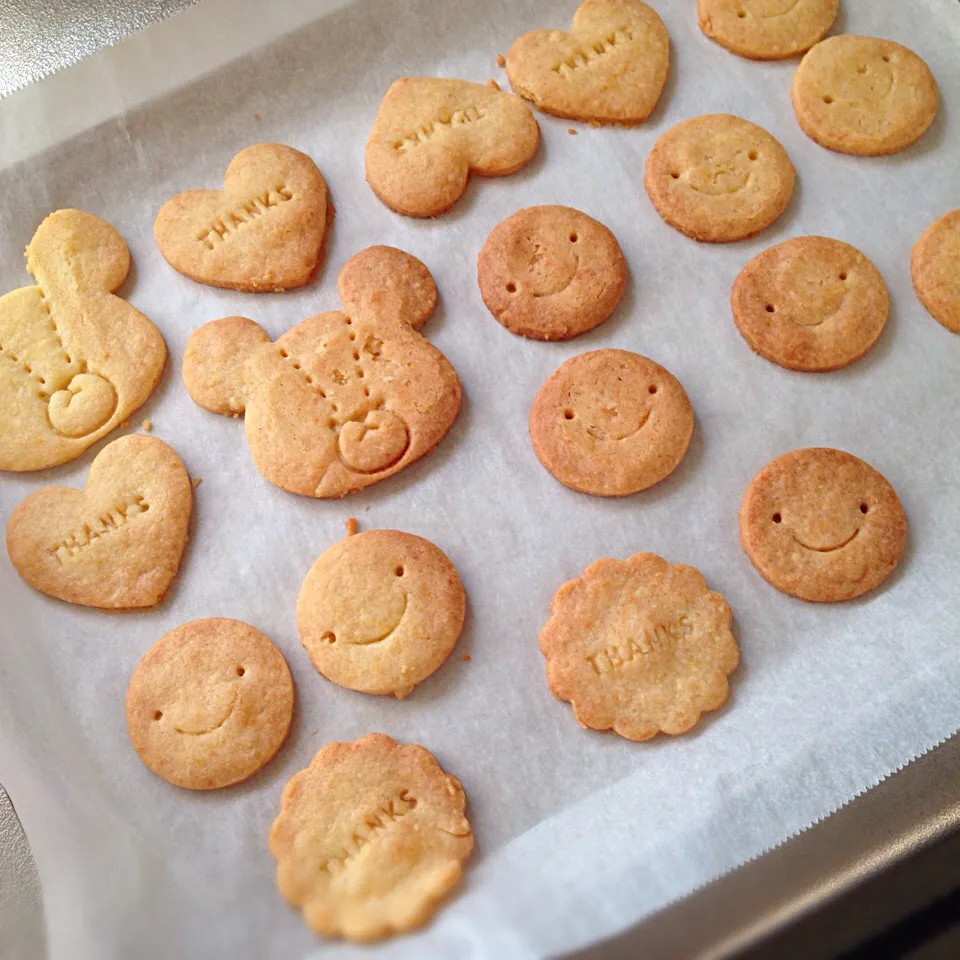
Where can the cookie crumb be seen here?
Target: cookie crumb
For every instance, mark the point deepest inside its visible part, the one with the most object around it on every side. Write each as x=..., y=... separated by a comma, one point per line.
x=493, y=83
x=572, y=131
x=256, y=116
x=126, y=423
x=500, y=60
x=366, y=506
x=466, y=656
x=351, y=524
x=147, y=425
x=197, y=481
x=314, y=731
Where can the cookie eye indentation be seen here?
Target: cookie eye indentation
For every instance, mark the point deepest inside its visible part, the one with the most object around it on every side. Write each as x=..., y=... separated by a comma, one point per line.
x=777, y=518
x=675, y=175
x=573, y=238
x=328, y=637
x=399, y=571
x=511, y=287
x=157, y=714
x=741, y=14
x=753, y=154
x=843, y=276
x=567, y=414
x=652, y=388
x=828, y=99
x=864, y=508
x=240, y=671
x=770, y=308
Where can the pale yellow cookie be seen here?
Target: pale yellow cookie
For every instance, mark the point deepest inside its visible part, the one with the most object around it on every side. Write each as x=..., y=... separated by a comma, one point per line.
x=431, y=133
x=210, y=704
x=551, y=272
x=117, y=544
x=370, y=838
x=611, y=423
x=639, y=646
x=344, y=398
x=718, y=178
x=75, y=360
x=935, y=268
x=380, y=611
x=767, y=29
x=822, y=525
x=864, y=95
x=810, y=303
x=610, y=67
x=264, y=230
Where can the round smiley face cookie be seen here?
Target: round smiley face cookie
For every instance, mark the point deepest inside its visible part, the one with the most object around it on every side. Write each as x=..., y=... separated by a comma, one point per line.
x=380, y=611
x=209, y=704
x=863, y=95
x=822, y=525
x=551, y=272
x=718, y=178
x=610, y=423
x=767, y=29
x=810, y=303
x=935, y=268
x=639, y=646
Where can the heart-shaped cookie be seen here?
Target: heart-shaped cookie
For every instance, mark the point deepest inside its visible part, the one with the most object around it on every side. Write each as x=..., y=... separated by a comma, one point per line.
x=115, y=545
x=430, y=133
x=610, y=67
x=263, y=231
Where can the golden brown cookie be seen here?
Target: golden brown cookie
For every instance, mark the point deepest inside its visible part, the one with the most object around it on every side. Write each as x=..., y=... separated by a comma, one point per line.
x=551, y=272
x=370, y=838
x=810, y=303
x=610, y=67
x=380, y=611
x=431, y=133
x=610, y=423
x=718, y=178
x=117, y=544
x=863, y=95
x=767, y=29
x=264, y=230
x=639, y=646
x=344, y=398
x=75, y=360
x=822, y=525
x=935, y=268
x=209, y=704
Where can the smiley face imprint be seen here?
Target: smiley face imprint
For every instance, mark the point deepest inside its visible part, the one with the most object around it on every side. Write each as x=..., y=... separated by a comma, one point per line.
x=380, y=611
x=209, y=704
x=822, y=525
x=551, y=272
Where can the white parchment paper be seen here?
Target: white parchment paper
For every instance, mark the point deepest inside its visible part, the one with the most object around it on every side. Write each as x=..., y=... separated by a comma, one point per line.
x=579, y=833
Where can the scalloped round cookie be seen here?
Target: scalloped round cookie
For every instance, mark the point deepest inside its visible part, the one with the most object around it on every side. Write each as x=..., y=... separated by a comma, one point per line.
x=718, y=178
x=370, y=838
x=767, y=29
x=639, y=646
x=551, y=272
x=611, y=423
x=822, y=525
x=810, y=303
x=864, y=95
x=380, y=611
x=935, y=268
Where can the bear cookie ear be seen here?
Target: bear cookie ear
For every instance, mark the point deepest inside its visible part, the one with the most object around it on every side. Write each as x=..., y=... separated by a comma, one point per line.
x=215, y=363
x=385, y=283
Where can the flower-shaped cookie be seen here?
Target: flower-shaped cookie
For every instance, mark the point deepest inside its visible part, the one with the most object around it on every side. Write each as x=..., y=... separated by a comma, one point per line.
x=75, y=360
x=344, y=398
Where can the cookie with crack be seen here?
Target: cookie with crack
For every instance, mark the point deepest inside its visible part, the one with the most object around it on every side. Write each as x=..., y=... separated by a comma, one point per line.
x=611, y=423
x=431, y=133
x=639, y=646
x=935, y=269
x=117, y=543
x=370, y=838
x=810, y=303
x=822, y=525
x=75, y=360
x=380, y=611
x=718, y=178
x=209, y=704
x=343, y=399
x=610, y=68
x=767, y=29
x=864, y=95
x=265, y=230
x=551, y=272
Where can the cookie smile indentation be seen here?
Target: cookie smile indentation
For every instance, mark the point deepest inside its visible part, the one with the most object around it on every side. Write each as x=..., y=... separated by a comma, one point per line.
x=565, y=286
x=830, y=549
x=387, y=634
x=216, y=726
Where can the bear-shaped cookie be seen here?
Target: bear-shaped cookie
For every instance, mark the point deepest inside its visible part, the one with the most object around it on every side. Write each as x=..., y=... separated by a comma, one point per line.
x=344, y=398
x=75, y=360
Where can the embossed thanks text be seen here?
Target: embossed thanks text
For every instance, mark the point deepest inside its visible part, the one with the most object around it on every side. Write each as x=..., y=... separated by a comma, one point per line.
x=593, y=52
x=424, y=134
x=218, y=231
x=372, y=826
x=651, y=639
